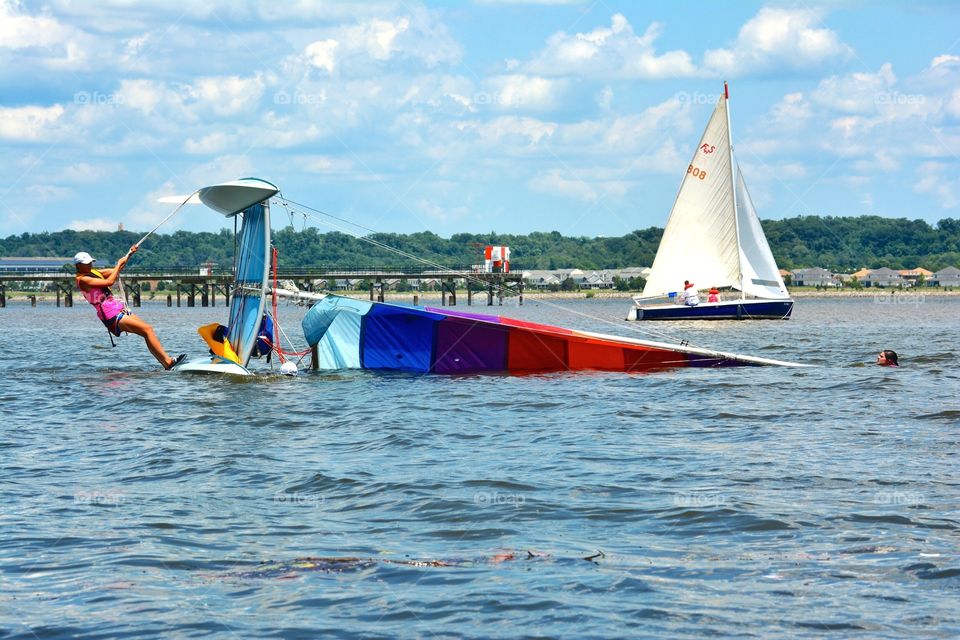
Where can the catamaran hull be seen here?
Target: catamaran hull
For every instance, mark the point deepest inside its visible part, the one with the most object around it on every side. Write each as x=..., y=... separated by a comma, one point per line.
x=734, y=310
x=213, y=365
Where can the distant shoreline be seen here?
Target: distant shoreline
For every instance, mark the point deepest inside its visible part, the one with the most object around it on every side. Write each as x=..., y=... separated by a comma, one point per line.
x=46, y=297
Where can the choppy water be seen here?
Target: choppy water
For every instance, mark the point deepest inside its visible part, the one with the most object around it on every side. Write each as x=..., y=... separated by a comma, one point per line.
x=734, y=502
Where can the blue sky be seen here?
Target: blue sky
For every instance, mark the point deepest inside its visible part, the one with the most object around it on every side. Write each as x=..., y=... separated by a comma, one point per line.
x=578, y=117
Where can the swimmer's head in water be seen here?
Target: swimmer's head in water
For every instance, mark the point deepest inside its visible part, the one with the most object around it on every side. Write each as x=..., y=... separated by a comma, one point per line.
x=888, y=358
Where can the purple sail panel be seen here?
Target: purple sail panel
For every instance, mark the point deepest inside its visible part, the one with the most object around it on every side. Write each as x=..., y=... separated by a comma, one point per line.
x=470, y=346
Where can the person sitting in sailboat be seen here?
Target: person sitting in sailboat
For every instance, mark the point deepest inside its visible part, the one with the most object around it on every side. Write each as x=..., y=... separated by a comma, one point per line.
x=690, y=295
x=95, y=286
x=713, y=295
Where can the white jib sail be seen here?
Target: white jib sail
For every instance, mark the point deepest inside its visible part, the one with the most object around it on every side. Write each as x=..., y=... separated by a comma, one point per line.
x=700, y=240
x=761, y=277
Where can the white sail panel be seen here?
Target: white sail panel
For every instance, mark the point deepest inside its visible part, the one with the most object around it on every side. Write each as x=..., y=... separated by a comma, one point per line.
x=761, y=277
x=700, y=240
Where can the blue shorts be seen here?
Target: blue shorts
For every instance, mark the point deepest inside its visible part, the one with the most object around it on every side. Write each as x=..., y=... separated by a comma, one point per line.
x=113, y=324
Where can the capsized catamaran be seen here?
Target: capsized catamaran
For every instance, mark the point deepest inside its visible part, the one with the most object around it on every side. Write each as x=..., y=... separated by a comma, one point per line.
x=380, y=336
x=713, y=238
x=355, y=334
x=250, y=199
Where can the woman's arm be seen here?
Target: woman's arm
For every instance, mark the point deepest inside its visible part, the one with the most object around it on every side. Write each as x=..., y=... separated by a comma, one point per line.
x=111, y=275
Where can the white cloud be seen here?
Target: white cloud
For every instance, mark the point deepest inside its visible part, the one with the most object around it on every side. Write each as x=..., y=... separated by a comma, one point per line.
x=29, y=124
x=778, y=38
x=857, y=92
x=556, y=184
x=212, y=143
x=939, y=180
x=47, y=192
x=526, y=131
x=82, y=173
x=610, y=52
x=322, y=54
x=519, y=91
x=42, y=38
x=369, y=43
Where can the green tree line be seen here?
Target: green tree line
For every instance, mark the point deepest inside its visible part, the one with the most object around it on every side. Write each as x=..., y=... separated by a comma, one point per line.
x=837, y=243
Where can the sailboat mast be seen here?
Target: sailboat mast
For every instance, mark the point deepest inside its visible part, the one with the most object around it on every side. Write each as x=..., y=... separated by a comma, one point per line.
x=733, y=188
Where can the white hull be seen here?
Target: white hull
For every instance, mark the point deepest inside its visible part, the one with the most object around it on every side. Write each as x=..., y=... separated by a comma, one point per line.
x=212, y=365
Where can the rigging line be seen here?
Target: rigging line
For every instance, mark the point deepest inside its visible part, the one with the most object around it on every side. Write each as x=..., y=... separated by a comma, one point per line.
x=123, y=293
x=657, y=334
x=164, y=221
x=466, y=276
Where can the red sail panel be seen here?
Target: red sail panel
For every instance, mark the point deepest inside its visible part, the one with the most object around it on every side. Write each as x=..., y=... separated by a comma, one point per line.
x=536, y=351
x=513, y=322
x=637, y=358
x=587, y=353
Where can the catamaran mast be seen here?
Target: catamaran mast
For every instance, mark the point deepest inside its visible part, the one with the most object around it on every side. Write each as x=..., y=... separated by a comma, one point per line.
x=733, y=189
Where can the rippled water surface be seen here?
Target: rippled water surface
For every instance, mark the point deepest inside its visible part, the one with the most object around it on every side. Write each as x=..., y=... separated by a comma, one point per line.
x=733, y=502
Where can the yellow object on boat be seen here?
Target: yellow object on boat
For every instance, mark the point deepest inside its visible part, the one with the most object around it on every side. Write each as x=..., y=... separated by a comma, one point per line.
x=222, y=349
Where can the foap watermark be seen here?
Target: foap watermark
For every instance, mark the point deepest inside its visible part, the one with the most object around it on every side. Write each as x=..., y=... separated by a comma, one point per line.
x=910, y=299
x=486, y=499
x=300, y=98
x=296, y=499
x=899, y=498
x=100, y=497
x=97, y=98
x=696, y=97
x=497, y=99
x=897, y=98
x=699, y=499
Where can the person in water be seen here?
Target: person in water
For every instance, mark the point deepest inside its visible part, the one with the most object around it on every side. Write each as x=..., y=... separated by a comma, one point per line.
x=888, y=358
x=690, y=295
x=95, y=286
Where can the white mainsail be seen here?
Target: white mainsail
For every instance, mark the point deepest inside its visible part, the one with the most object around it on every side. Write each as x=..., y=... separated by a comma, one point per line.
x=713, y=237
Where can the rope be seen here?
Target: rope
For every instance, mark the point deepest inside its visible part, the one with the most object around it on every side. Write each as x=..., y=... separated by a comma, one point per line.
x=277, y=329
x=285, y=202
x=162, y=222
x=123, y=292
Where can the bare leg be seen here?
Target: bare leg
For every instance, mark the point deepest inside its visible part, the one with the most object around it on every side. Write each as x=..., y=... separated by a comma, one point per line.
x=133, y=324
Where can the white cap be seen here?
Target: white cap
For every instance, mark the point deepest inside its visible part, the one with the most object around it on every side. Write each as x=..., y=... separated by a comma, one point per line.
x=83, y=258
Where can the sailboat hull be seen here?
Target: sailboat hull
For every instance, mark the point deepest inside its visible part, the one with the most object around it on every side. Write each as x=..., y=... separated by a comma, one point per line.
x=730, y=310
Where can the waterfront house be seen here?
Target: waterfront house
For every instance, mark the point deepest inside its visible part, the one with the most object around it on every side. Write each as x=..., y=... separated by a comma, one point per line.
x=948, y=277
x=912, y=276
x=813, y=277
x=883, y=277
x=592, y=281
x=541, y=279
x=862, y=274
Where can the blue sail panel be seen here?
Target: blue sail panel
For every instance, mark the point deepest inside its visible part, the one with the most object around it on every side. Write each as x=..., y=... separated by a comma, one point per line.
x=399, y=338
x=339, y=347
x=253, y=261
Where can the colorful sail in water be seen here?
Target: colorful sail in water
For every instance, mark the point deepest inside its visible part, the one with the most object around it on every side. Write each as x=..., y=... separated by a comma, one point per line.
x=355, y=334
x=248, y=198
x=713, y=238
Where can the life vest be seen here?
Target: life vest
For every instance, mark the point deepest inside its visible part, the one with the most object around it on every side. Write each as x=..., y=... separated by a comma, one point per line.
x=264, y=344
x=102, y=300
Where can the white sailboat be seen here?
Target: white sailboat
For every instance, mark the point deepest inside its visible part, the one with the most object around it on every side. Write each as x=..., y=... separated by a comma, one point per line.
x=713, y=239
